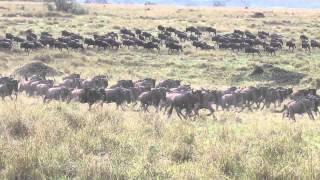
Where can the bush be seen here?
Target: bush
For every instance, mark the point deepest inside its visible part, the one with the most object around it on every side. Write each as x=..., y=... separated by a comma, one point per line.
x=51, y=7
x=77, y=9
x=69, y=6
x=258, y=15
x=18, y=129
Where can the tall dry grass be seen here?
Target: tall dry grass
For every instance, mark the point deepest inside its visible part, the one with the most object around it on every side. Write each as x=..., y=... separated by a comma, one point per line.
x=59, y=141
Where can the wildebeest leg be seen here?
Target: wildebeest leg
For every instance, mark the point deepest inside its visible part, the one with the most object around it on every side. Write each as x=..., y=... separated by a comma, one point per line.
x=134, y=104
x=196, y=112
x=143, y=107
x=275, y=104
x=178, y=110
x=48, y=100
x=170, y=111
x=157, y=108
x=146, y=108
x=292, y=116
x=166, y=108
x=211, y=110
x=284, y=114
x=122, y=108
x=316, y=110
x=310, y=115
x=249, y=107
x=217, y=106
x=257, y=104
x=118, y=104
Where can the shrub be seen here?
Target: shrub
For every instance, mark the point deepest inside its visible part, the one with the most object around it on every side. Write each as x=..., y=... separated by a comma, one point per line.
x=18, y=129
x=258, y=15
x=51, y=7
x=69, y=6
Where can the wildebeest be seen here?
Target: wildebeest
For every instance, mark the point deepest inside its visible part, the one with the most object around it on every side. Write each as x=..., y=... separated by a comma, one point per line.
x=101, y=44
x=152, y=97
x=169, y=83
x=31, y=88
x=87, y=95
x=123, y=83
x=75, y=45
x=306, y=46
x=8, y=86
x=28, y=46
x=291, y=45
x=147, y=83
x=151, y=45
x=127, y=32
x=270, y=50
x=118, y=95
x=315, y=44
x=146, y=35
x=42, y=89
x=9, y=36
x=128, y=43
x=208, y=99
x=303, y=93
x=5, y=45
x=57, y=93
x=60, y=45
x=96, y=82
x=173, y=47
x=193, y=29
x=299, y=106
x=186, y=100
x=89, y=42
x=231, y=99
x=71, y=82
x=251, y=50
x=304, y=37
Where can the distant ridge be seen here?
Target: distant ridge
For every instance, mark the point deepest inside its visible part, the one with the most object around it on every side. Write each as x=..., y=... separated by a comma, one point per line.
x=235, y=3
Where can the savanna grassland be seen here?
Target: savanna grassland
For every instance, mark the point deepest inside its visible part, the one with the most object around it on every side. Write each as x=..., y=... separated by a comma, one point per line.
x=60, y=141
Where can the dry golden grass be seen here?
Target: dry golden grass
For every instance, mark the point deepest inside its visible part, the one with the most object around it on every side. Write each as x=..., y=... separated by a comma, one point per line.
x=60, y=141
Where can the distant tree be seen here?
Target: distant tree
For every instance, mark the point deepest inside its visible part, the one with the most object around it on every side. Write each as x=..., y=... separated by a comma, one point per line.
x=70, y=6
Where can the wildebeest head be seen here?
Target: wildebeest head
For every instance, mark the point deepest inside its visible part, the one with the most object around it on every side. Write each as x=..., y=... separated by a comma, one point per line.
x=160, y=92
x=11, y=84
x=92, y=95
x=197, y=96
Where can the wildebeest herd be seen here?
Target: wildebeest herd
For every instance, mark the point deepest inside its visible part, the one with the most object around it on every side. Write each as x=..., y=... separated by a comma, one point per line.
x=165, y=96
x=172, y=39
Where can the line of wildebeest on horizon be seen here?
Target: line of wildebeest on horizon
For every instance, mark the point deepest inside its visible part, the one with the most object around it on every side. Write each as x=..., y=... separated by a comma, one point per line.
x=165, y=96
x=172, y=39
